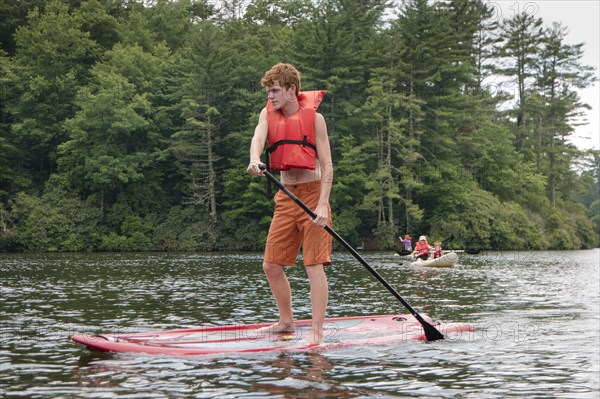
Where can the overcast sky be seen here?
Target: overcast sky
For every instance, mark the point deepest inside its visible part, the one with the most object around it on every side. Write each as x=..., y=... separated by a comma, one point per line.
x=582, y=18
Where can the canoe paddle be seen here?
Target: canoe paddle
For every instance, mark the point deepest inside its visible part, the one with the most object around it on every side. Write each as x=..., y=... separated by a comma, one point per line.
x=431, y=333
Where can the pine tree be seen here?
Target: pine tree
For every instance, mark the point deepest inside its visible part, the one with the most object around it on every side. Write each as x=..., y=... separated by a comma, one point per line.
x=560, y=74
x=206, y=66
x=521, y=41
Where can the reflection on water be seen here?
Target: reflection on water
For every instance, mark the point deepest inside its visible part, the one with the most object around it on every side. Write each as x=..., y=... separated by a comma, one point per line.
x=275, y=375
x=536, y=314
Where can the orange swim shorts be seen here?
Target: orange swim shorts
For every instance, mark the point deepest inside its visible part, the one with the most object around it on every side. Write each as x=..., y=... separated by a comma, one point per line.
x=291, y=228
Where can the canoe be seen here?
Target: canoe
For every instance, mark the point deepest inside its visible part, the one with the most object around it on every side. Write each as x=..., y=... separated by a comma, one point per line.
x=244, y=338
x=447, y=260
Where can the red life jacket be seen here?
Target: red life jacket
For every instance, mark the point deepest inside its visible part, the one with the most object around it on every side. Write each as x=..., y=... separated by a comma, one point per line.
x=422, y=247
x=292, y=140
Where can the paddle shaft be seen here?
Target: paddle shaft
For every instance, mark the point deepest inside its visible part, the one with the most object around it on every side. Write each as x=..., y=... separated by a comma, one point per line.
x=431, y=333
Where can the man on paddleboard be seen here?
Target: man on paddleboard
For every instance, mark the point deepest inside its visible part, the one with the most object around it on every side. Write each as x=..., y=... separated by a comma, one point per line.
x=299, y=148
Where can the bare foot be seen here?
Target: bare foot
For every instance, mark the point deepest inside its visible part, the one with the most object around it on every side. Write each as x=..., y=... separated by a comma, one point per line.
x=277, y=328
x=314, y=337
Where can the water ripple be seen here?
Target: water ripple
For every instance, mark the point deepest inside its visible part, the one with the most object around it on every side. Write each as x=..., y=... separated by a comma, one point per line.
x=537, y=320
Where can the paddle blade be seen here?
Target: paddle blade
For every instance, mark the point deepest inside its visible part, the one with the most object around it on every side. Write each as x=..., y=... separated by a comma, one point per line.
x=431, y=333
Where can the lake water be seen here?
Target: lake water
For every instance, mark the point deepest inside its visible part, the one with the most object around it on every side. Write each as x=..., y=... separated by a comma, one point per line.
x=536, y=314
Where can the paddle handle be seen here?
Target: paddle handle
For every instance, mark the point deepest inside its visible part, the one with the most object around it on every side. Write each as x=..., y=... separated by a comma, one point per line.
x=431, y=333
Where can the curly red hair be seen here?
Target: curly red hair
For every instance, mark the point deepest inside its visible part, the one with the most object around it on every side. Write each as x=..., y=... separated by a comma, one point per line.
x=283, y=74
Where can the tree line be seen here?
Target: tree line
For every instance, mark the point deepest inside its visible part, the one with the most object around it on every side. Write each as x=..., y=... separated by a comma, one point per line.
x=126, y=124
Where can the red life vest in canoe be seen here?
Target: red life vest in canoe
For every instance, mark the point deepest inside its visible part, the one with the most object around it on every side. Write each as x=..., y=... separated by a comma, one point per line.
x=292, y=139
x=424, y=247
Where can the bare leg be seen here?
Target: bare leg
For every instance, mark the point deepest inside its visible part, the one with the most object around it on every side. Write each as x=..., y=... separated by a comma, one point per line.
x=280, y=287
x=319, y=296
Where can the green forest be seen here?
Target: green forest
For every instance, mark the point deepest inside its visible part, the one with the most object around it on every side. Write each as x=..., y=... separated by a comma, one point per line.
x=126, y=124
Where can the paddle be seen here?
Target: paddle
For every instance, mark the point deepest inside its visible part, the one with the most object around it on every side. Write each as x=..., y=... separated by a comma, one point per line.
x=431, y=334
x=408, y=258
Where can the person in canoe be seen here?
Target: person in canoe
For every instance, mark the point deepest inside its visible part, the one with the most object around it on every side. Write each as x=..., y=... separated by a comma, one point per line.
x=407, y=243
x=438, y=252
x=299, y=148
x=422, y=249
x=406, y=248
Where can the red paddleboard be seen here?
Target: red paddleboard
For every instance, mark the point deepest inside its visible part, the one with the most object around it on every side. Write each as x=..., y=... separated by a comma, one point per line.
x=240, y=338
